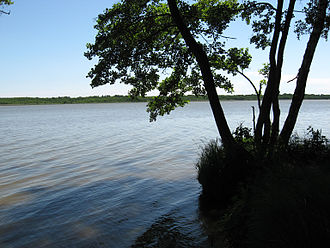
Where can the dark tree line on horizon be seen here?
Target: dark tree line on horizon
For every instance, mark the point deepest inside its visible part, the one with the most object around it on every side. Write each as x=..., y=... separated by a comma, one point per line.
x=122, y=98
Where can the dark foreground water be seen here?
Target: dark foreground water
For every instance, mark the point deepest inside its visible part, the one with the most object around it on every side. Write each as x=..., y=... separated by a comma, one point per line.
x=101, y=175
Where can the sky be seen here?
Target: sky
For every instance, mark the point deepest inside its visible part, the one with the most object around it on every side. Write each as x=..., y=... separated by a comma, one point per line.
x=42, y=49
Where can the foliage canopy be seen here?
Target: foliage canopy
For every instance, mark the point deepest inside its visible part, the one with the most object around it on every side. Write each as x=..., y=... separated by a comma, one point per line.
x=4, y=3
x=138, y=43
x=176, y=47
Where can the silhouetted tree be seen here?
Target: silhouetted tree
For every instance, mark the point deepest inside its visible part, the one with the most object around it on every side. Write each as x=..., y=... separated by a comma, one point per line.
x=316, y=21
x=154, y=45
x=317, y=24
x=177, y=47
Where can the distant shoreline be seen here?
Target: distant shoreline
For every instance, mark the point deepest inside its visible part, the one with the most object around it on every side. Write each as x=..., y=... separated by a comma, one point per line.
x=122, y=99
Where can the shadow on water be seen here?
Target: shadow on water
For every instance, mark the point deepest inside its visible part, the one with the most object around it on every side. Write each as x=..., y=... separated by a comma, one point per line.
x=128, y=212
x=165, y=232
x=170, y=230
x=210, y=214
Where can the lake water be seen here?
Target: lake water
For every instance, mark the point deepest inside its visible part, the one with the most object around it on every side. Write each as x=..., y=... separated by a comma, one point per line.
x=101, y=175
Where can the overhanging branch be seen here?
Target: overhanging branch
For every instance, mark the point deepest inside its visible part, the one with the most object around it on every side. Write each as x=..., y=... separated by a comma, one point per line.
x=4, y=12
x=254, y=87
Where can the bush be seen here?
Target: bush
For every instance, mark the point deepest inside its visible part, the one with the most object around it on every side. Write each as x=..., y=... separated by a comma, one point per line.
x=284, y=204
x=313, y=149
x=243, y=136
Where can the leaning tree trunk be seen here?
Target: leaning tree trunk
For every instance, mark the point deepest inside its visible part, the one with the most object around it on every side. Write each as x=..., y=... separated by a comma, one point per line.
x=203, y=62
x=299, y=92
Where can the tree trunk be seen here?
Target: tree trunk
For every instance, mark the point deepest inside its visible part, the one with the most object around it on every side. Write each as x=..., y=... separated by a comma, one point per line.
x=276, y=92
x=263, y=123
x=203, y=62
x=276, y=122
x=299, y=92
x=258, y=93
x=268, y=138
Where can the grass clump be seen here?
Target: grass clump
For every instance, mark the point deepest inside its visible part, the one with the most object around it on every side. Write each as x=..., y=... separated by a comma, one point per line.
x=210, y=165
x=220, y=173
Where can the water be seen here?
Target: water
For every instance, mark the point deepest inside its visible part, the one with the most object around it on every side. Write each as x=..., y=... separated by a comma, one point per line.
x=101, y=175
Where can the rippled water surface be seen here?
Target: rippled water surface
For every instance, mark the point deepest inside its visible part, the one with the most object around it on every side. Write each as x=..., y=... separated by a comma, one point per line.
x=101, y=175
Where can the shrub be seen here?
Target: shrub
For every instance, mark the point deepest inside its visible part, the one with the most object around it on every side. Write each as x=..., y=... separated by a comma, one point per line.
x=284, y=204
x=288, y=203
x=313, y=149
x=244, y=137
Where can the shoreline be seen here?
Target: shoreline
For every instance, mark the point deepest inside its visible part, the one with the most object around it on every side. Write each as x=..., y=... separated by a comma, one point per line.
x=18, y=101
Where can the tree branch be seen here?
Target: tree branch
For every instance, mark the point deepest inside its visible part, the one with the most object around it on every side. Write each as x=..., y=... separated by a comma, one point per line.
x=285, y=34
x=270, y=6
x=293, y=79
x=4, y=12
x=227, y=37
x=262, y=3
x=254, y=87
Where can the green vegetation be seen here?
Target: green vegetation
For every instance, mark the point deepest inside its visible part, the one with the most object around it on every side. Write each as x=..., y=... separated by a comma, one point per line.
x=178, y=47
x=117, y=99
x=68, y=100
x=4, y=3
x=282, y=202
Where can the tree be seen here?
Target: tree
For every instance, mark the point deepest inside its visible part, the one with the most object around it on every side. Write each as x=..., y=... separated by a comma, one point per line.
x=317, y=19
x=176, y=47
x=157, y=40
x=4, y=3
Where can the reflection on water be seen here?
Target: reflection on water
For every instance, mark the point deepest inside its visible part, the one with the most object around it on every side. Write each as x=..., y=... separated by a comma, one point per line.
x=103, y=176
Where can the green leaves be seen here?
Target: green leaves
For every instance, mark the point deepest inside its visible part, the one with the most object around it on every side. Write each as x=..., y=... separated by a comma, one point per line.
x=264, y=71
x=262, y=15
x=237, y=59
x=217, y=14
x=303, y=27
x=161, y=105
x=4, y=3
x=139, y=44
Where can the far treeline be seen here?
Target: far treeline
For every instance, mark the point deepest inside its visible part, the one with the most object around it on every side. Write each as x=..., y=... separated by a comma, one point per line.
x=118, y=99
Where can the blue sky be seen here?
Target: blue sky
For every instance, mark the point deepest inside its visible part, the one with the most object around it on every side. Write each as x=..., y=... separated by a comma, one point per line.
x=42, y=45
